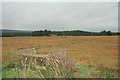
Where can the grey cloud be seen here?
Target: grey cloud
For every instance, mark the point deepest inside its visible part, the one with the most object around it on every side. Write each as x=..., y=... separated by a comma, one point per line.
x=91, y=16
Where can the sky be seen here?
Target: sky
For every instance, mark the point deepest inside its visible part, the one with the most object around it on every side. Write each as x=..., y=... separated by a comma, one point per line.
x=87, y=16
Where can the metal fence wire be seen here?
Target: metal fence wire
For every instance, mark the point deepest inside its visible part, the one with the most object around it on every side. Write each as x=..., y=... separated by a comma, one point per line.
x=53, y=62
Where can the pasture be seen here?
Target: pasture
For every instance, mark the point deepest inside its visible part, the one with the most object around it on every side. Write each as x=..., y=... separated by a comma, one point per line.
x=98, y=51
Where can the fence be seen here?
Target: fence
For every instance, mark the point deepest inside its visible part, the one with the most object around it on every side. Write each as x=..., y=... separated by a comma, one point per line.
x=47, y=62
x=36, y=52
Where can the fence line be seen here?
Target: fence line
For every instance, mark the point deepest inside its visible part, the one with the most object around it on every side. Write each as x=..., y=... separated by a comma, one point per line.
x=37, y=55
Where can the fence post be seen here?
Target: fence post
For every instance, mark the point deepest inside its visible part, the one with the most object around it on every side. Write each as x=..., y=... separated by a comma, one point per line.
x=36, y=49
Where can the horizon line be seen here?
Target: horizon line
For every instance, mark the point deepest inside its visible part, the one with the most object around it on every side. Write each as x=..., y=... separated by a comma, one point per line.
x=56, y=30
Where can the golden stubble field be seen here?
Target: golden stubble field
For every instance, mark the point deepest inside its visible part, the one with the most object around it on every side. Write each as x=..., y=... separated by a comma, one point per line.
x=100, y=51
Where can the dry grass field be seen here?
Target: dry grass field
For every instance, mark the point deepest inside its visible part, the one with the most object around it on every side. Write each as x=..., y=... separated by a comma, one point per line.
x=100, y=51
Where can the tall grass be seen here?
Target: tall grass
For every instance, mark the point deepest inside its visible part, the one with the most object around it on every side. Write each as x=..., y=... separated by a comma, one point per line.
x=53, y=66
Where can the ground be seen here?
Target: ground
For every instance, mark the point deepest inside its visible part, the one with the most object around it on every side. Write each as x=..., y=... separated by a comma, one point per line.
x=99, y=51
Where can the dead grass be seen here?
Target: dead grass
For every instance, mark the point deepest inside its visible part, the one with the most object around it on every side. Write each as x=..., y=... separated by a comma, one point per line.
x=100, y=51
x=54, y=66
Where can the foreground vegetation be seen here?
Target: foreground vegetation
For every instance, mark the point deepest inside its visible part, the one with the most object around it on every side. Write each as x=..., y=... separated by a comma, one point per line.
x=83, y=71
x=59, y=66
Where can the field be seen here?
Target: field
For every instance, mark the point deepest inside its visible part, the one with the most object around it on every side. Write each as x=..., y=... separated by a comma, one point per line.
x=98, y=51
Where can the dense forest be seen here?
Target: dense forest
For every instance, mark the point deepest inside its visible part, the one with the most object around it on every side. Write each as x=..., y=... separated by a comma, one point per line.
x=57, y=33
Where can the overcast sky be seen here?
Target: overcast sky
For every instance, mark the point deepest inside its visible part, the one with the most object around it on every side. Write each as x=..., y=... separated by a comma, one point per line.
x=88, y=16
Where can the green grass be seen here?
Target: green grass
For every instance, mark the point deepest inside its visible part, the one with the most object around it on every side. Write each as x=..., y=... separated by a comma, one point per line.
x=83, y=71
x=86, y=71
x=12, y=73
x=89, y=71
x=58, y=66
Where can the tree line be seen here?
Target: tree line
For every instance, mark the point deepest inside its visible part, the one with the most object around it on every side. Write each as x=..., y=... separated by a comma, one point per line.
x=73, y=33
x=59, y=33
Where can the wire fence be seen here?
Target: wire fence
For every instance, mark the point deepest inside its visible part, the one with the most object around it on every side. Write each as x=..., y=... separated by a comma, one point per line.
x=36, y=52
x=47, y=62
